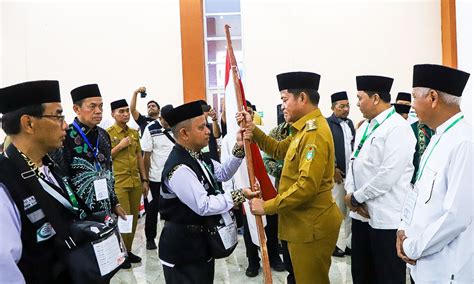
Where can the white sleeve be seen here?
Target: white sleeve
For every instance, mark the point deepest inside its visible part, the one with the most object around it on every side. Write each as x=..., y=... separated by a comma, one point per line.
x=146, y=141
x=349, y=181
x=187, y=187
x=11, y=247
x=457, y=208
x=397, y=156
x=226, y=170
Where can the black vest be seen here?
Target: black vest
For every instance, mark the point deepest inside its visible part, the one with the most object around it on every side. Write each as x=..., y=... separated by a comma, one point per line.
x=183, y=239
x=39, y=262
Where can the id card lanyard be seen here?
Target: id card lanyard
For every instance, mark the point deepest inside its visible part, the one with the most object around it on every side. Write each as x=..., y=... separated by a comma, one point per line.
x=71, y=195
x=420, y=170
x=95, y=151
x=364, y=138
x=365, y=135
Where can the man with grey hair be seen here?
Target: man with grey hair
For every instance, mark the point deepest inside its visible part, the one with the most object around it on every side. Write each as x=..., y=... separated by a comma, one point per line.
x=436, y=232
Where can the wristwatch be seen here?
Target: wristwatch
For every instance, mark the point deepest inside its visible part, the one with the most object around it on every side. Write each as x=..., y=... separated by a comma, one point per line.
x=354, y=201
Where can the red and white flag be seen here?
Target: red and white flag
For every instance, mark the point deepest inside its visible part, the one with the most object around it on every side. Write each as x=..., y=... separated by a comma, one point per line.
x=241, y=178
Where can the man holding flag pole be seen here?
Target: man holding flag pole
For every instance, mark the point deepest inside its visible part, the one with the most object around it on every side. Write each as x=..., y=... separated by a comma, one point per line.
x=309, y=220
x=255, y=167
x=241, y=180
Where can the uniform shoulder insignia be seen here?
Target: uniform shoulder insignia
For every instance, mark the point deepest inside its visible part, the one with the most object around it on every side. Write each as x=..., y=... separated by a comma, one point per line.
x=311, y=125
x=310, y=151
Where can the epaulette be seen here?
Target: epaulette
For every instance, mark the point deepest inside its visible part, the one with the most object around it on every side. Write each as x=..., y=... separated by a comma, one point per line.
x=311, y=125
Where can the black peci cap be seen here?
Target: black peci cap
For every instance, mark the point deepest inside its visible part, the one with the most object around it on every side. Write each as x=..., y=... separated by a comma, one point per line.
x=440, y=78
x=27, y=94
x=86, y=91
x=298, y=80
x=182, y=113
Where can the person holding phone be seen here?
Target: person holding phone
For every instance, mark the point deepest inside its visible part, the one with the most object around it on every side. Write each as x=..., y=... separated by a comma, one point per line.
x=152, y=106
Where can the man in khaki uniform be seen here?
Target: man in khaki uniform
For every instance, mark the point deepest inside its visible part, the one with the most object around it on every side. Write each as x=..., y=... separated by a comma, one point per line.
x=309, y=220
x=129, y=171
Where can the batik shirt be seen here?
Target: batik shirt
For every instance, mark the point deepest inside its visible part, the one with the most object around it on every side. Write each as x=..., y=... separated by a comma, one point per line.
x=423, y=136
x=273, y=166
x=84, y=168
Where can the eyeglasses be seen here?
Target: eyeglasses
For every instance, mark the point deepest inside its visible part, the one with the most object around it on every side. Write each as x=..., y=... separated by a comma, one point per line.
x=342, y=106
x=59, y=118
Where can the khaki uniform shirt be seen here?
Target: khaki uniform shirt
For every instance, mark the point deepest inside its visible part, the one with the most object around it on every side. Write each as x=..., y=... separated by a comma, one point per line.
x=125, y=164
x=305, y=207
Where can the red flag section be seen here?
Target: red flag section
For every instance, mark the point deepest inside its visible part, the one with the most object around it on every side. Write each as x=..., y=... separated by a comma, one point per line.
x=266, y=186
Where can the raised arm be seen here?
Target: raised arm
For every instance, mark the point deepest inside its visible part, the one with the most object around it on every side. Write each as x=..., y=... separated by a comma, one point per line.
x=133, y=103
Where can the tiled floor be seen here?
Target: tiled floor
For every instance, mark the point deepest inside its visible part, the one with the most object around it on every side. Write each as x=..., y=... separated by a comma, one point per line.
x=229, y=270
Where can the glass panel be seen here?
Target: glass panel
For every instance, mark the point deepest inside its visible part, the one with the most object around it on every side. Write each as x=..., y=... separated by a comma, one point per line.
x=215, y=25
x=216, y=75
x=219, y=6
x=217, y=49
x=215, y=98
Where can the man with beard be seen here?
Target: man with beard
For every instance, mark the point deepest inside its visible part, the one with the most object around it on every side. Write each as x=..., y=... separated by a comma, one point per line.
x=343, y=134
x=157, y=143
x=152, y=106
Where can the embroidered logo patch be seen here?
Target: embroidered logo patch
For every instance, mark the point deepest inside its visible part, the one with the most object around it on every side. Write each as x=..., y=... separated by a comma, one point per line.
x=29, y=202
x=45, y=232
x=310, y=152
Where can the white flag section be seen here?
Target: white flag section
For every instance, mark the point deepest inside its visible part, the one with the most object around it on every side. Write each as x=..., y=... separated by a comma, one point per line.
x=241, y=177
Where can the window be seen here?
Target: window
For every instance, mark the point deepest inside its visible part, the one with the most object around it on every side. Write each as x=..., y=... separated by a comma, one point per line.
x=217, y=14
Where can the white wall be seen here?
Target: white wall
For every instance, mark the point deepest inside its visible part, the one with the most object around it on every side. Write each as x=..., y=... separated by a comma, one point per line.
x=464, y=9
x=337, y=39
x=122, y=45
x=119, y=45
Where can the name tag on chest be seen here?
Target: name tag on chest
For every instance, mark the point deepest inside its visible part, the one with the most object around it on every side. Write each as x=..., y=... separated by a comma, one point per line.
x=100, y=188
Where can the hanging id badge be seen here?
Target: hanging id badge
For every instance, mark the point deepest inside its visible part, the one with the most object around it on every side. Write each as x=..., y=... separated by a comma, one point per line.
x=100, y=188
x=409, y=205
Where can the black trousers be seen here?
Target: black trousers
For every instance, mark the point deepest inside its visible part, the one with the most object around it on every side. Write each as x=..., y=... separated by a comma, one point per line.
x=290, y=278
x=151, y=219
x=374, y=256
x=271, y=230
x=195, y=273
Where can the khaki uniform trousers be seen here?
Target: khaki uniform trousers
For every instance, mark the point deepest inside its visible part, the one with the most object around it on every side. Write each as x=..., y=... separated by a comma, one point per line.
x=129, y=199
x=311, y=261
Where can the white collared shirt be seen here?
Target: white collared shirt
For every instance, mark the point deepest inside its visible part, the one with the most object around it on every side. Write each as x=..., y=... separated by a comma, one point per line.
x=347, y=141
x=154, y=140
x=440, y=234
x=380, y=175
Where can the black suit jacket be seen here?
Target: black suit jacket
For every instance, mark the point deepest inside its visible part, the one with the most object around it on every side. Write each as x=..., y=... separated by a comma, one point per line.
x=338, y=137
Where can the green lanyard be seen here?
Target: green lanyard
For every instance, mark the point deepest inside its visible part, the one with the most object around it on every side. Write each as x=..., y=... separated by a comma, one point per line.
x=42, y=176
x=420, y=171
x=213, y=178
x=365, y=136
x=71, y=195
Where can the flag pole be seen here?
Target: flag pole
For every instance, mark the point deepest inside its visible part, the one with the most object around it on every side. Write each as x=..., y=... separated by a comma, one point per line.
x=267, y=275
